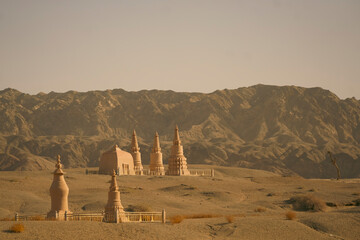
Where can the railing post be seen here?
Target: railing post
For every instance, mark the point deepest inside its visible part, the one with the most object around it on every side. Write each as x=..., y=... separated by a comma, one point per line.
x=117, y=215
x=56, y=215
x=163, y=216
x=66, y=215
x=140, y=217
x=16, y=217
x=212, y=172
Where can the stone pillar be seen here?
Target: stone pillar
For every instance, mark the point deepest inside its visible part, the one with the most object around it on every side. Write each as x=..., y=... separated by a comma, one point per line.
x=156, y=162
x=163, y=216
x=212, y=172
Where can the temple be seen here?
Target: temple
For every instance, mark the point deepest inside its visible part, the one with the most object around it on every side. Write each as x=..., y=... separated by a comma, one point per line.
x=177, y=160
x=117, y=159
x=59, y=192
x=156, y=162
x=114, y=211
x=135, y=152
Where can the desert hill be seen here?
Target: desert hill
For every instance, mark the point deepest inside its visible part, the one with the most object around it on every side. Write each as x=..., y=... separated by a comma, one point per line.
x=281, y=129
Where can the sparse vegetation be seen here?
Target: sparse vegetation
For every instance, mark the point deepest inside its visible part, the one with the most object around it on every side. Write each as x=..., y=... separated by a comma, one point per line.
x=308, y=203
x=177, y=219
x=230, y=218
x=290, y=215
x=180, y=218
x=17, y=228
x=260, y=209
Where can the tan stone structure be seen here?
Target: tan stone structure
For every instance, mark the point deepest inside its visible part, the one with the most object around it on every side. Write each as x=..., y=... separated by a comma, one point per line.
x=135, y=152
x=156, y=162
x=177, y=160
x=117, y=159
x=59, y=192
x=114, y=211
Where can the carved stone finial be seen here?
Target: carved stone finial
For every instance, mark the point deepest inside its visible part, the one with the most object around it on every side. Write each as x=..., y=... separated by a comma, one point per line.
x=58, y=164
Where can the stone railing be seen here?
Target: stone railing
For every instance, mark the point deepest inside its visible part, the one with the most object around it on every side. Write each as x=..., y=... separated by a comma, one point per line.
x=41, y=217
x=202, y=172
x=121, y=217
x=116, y=217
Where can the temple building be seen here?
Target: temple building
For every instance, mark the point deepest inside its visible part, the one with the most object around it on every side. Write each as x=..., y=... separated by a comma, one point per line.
x=135, y=152
x=114, y=211
x=177, y=160
x=156, y=162
x=117, y=159
x=59, y=192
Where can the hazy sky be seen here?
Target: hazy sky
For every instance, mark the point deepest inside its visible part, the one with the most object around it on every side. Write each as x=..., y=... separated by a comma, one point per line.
x=183, y=45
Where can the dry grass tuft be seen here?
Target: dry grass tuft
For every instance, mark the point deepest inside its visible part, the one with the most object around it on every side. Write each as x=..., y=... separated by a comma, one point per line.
x=260, y=209
x=230, y=218
x=17, y=228
x=176, y=219
x=290, y=215
x=180, y=218
x=308, y=203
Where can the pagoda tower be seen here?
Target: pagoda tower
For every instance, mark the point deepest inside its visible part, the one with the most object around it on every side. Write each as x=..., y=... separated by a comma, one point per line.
x=177, y=160
x=59, y=192
x=113, y=209
x=135, y=152
x=156, y=161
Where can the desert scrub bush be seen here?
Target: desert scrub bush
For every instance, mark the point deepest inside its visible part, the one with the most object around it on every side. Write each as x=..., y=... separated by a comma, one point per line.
x=260, y=209
x=17, y=228
x=138, y=208
x=176, y=219
x=180, y=218
x=290, y=215
x=230, y=218
x=308, y=203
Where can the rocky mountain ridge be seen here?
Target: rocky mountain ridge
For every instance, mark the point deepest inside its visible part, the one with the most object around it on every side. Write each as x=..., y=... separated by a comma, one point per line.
x=282, y=129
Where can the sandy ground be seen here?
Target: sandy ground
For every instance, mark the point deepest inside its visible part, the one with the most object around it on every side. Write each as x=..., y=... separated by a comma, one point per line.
x=233, y=191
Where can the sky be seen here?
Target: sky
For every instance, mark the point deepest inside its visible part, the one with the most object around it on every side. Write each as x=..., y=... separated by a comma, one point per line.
x=180, y=45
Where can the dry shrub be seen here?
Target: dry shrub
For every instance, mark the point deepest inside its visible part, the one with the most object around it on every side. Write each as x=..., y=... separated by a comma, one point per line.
x=176, y=219
x=201, y=215
x=290, y=215
x=17, y=228
x=308, y=203
x=138, y=208
x=357, y=202
x=180, y=218
x=38, y=218
x=260, y=209
x=230, y=218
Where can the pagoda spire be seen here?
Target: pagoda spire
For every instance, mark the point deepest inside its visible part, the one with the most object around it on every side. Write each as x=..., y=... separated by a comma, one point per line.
x=177, y=140
x=135, y=152
x=177, y=161
x=156, y=146
x=156, y=162
x=134, y=143
x=59, y=192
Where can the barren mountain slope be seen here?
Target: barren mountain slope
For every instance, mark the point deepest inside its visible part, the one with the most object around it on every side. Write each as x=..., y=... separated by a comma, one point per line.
x=281, y=129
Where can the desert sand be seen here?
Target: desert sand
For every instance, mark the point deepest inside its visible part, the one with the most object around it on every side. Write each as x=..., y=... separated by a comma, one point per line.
x=233, y=191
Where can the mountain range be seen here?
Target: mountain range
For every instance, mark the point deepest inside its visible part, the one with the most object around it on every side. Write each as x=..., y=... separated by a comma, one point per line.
x=286, y=129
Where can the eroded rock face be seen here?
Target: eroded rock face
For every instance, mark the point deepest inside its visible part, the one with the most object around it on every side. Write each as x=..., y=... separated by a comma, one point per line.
x=281, y=129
